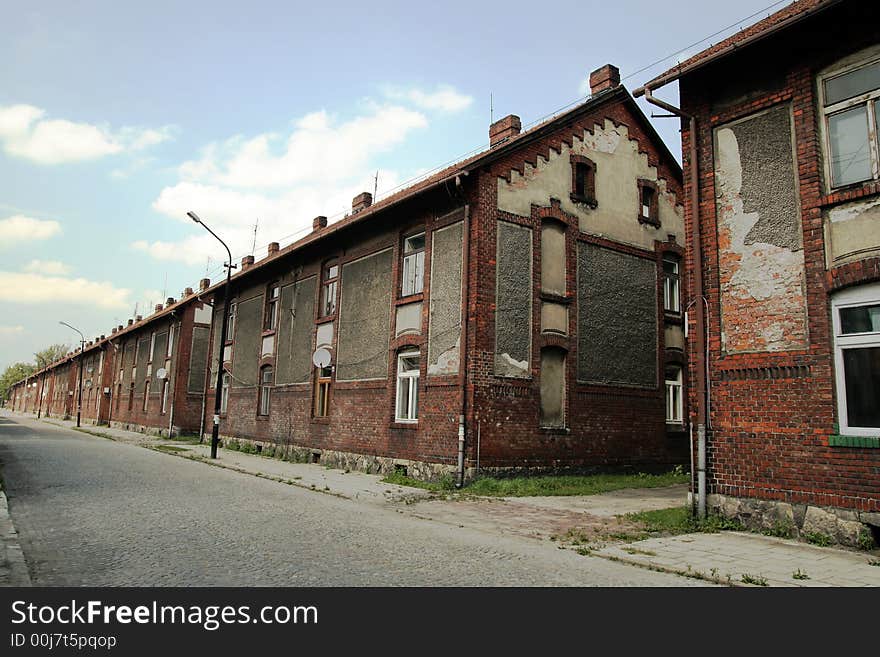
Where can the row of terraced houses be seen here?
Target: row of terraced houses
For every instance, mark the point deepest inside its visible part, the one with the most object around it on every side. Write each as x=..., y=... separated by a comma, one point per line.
x=569, y=298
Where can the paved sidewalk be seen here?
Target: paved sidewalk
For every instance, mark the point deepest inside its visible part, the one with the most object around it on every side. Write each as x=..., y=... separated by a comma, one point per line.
x=13, y=569
x=724, y=557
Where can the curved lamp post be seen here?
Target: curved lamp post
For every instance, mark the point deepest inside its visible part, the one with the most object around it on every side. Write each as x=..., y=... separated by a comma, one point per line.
x=218, y=391
x=79, y=394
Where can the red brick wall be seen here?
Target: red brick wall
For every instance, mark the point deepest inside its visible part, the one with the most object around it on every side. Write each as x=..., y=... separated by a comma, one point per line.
x=771, y=413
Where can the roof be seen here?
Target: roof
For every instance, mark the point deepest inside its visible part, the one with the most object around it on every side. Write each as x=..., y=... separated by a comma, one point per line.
x=785, y=17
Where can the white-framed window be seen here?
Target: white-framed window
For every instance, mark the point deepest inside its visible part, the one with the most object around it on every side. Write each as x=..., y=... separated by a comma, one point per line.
x=851, y=109
x=267, y=379
x=152, y=345
x=674, y=395
x=856, y=322
x=330, y=281
x=146, y=395
x=164, y=395
x=413, y=273
x=170, y=345
x=671, y=285
x=224, y=393
x=271, y=316
x=230, y=322
x=323, y=377
x=407, y=406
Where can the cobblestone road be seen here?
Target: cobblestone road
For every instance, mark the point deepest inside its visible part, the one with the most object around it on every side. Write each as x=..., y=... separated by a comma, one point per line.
x=94, y=512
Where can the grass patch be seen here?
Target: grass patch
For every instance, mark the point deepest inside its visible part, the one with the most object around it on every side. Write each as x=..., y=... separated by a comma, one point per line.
x=647, y=553
x=572, y=485
x=188, y=438
x=445, y=483
x=171, y=448
x=799, y=574
x=874, y=562
x=757, y=580
x=678, y=520
x=818, y=538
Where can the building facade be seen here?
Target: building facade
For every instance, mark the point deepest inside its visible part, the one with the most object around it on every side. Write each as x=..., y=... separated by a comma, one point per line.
x=787, y=117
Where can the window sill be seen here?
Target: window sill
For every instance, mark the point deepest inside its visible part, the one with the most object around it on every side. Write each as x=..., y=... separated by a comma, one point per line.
x=267, y=332
x=673, y=317
x=323, y=319
x=321, y=420
x=552, y=297
x=850, y=193
x=864, y=442
x=397, y=424
x=585, y=200
x=562, y=431
x=650, y=221
x=412, y=298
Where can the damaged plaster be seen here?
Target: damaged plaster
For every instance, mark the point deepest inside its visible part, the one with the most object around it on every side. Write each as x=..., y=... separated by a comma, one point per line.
x=513, y=300
x=854, y=231
x=444, y=322
x=761, y=261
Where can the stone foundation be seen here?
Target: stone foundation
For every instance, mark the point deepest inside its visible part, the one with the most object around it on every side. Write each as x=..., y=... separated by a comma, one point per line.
x=817, y=524
x=162, y=432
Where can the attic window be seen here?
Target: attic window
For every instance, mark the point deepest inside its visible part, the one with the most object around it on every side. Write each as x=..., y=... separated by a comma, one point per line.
x=583, y=180
x=648, y=210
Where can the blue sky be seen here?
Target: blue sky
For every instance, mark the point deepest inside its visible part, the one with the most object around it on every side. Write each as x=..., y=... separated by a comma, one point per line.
x=118, y=117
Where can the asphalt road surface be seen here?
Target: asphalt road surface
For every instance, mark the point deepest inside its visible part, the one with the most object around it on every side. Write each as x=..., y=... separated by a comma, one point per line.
x=94, y=512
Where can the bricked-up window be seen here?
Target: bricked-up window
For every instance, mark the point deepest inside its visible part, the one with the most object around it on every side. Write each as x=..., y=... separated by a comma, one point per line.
x=224, y=393
x=323, y=378
x=648, y=203
x=851, y=105
x=583, y=180
x=856, y=320
x=407, y=405
x=130, y=396
x=671, y=284
x=413, y=272
x=267, y=379
x=674, y=396
x=146, y=394
x=329, y=279
x=271, y=315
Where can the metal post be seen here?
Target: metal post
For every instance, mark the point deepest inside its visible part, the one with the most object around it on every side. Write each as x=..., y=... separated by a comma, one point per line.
x=82, y=349
x=218, y=390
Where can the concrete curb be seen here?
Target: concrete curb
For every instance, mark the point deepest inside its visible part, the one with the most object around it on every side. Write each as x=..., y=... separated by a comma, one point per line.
x=13, y=568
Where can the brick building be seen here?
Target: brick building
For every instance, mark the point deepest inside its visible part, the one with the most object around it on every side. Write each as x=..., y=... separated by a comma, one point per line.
x=522, y=305
x=784, y=143
x=147, y=376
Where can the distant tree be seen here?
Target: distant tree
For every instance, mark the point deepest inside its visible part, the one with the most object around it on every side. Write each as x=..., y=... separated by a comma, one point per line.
x=50, y=354
x=13, y=374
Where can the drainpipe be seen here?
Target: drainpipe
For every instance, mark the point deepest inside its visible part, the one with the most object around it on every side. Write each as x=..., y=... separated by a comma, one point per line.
x=172, y=380
x=464, y=343
x=701, y=346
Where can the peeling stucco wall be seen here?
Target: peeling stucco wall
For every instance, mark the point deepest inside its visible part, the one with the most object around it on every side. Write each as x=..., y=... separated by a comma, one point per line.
x=853, y=231
x=617, y=317
x=619, y=165
x=552, y=387
x=513, y=300
x=761, y=262
x=296, y=322
x=246, y=348
x=198, y=360
x=364, y=318
x=444, y=325
x=409, y=319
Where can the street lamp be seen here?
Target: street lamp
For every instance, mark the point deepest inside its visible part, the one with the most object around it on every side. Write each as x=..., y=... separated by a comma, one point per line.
x=82, y=349
x=218, y=392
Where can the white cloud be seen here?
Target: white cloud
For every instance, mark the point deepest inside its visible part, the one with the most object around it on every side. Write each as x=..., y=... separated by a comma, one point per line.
x=11, y=330
x=19, y=228
x=48, y=267
x=317, y=150
x=444, y=98
x=25, y=133
x=30, y=288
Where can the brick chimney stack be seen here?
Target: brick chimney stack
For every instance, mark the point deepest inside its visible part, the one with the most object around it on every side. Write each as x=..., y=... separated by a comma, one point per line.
x=273, y=247
x=187, y=292
x=361, y=202
x=246, y=262
x=502, y=129
x=604, y=78
x=158, y=307
x=204, y=284
x=169, y=301
x=319, y=222
x=138, y=318
x=130, y=321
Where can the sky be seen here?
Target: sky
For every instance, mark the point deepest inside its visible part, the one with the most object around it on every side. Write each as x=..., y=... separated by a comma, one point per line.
x=116, y=118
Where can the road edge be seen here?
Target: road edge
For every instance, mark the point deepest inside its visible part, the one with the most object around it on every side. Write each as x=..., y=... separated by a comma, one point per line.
x=13, y=568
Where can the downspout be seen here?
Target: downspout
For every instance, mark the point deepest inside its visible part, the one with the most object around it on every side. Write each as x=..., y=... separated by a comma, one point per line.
x=700, y=367
x=464, y=342
x=173, y=379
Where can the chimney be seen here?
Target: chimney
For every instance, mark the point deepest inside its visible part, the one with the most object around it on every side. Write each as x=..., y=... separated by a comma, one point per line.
x=273, y=247
x=138, y=318
x=504, y=128
x=319, y=222
x=361, y=202
x=204, y=284
x=103, y=336
x=188, y=292
x=158, y=307
x=113, y=330
x=246, y=262
x=604, y=78
x=169, y=301
x=119, y=328
x=130, y=321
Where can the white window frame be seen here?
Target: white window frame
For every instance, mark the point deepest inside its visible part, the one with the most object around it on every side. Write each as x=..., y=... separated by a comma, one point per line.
x=412, y=276
x=863, y=295
x=672, y=286
x=410, y=379
x=674, y=397
x=170, y=344
x=165, y=387
x=266, y=391
x=224, y=393
x=152, y=345
x=870, y=100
